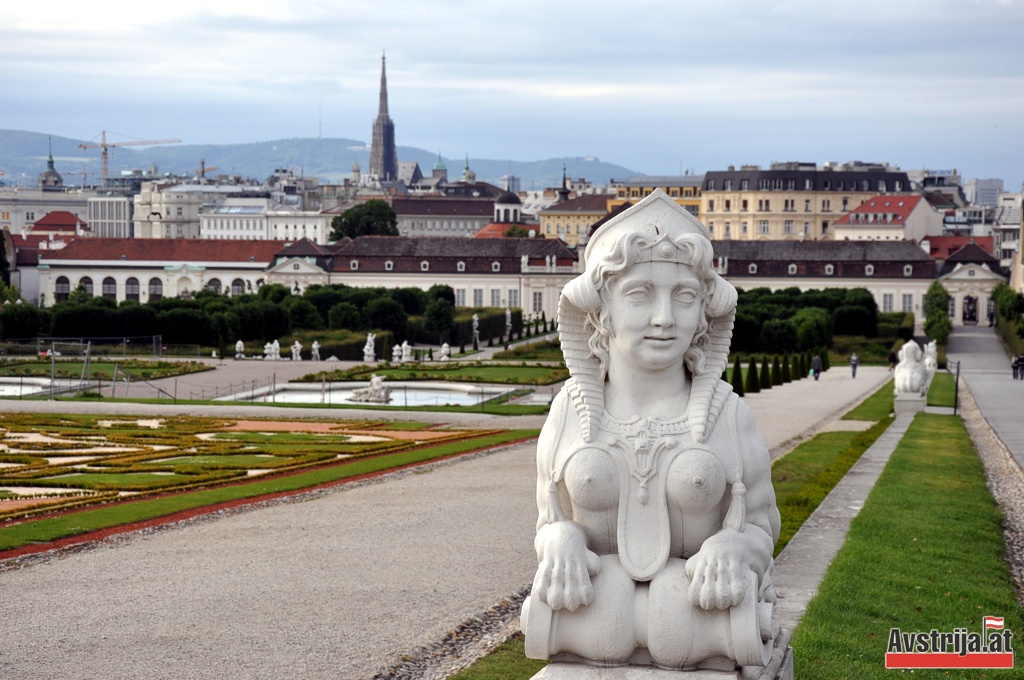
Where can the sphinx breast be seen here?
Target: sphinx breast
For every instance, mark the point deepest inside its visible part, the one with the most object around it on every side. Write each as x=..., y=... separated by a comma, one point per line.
x=592, y=480
x=696, y=480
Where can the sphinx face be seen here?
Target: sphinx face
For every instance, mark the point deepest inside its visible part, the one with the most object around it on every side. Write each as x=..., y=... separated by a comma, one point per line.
x=654, y=308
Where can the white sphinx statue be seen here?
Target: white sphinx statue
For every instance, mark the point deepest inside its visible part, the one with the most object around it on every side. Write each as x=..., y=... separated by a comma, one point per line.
x=657, y=517
x=911, y=375
x=931, y=360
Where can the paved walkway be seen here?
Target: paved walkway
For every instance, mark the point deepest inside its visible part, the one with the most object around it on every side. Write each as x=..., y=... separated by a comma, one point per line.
x=985, y=367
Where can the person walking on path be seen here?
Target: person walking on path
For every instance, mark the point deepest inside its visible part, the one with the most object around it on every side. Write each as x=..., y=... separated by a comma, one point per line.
x=854, y=362
x=816, y=366
x=893, y=360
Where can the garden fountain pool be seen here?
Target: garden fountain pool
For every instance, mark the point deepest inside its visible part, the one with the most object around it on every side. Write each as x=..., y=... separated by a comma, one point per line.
x=402, y=394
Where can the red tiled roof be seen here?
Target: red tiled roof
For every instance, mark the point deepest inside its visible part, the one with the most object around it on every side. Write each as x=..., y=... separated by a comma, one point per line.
x=891, y=210
x=168, y=250
x=941, y=247
x=59, y=220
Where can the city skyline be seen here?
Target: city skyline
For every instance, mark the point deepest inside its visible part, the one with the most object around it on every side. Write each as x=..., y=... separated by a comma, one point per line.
x=662, y=87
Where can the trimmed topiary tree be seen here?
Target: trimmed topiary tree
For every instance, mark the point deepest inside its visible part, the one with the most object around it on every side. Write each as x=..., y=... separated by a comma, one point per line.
x=737, y=378
x=787, y=375
x=766, y=374
x=776, y=371
x=752, y=383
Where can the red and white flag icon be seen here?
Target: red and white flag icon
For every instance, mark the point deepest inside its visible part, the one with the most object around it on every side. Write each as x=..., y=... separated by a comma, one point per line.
x=994, y=622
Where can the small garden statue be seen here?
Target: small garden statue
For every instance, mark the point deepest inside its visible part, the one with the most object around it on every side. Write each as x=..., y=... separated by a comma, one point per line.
x=911, y=376
x=314, y=352
x=476, y=329
x=239, y=350
x=376, y=393
x=406, y=351
x=297, y=351
x=508, y=323
x=369, y=353
x=396, y=354
x=446, y=352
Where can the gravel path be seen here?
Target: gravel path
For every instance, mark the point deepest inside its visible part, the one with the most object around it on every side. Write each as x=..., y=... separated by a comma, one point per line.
x=344, y=585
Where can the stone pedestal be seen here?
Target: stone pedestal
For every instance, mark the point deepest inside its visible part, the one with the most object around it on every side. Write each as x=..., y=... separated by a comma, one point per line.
x=909, y=403
x=575, y=671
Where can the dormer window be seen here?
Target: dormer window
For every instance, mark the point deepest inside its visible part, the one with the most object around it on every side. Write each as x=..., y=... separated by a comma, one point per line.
x=389, y=266
x=495, y=266
x=908, y=270
x=353, y=265
x=830, y=269
x=791, y=269
x=461, y=266
x=424, y=266
x=869, y=270
x=752, y=268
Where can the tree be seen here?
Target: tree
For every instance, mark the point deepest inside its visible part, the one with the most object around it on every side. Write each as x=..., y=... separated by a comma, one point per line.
x=303, y=314
x=386, y=314
x=776, y=370
x=787, y=375
x=442, y=291
x=440, y=317
x=373, y=217
x=737, y=378
x=344, y=315
x=753, y=381
x=765, y=382
x=515, y=231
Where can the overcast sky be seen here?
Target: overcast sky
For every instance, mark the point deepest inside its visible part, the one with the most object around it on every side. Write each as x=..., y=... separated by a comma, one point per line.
x=656, y=86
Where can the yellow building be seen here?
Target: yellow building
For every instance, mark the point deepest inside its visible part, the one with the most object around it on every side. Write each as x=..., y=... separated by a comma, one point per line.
x=791, y=200
x=685, y=189
x=570, y=220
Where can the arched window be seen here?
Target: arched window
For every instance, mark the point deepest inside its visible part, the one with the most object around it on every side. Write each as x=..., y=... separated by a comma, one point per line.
x=908, y=270
x=156, y=289
x=424, y=266
x=751, y=268
x=495, y=266
x=869, y=270
x=830, y=269
x=110, y=288
x=131, y=289
x=389, y=265
x=460, y=266
x=353, y=265
x=213, y=286
x=791, y=269
x=86, y=283
x=62, y=289
x=237, y=287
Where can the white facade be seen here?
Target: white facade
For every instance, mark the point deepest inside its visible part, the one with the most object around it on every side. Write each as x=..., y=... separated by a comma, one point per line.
x=292, y=225
x=144, y=281
x=534, y=289
x=110, y=216
x=238, y=219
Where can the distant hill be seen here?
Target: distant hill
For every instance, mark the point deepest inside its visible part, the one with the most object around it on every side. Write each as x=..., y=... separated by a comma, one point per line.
x=23, y=156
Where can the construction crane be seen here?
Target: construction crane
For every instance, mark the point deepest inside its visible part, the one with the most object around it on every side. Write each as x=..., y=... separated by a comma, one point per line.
x=201, y=172
x=104, y=145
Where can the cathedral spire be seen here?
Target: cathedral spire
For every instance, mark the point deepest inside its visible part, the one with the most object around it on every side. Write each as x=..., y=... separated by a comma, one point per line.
x=383, y=154
x=382, y=109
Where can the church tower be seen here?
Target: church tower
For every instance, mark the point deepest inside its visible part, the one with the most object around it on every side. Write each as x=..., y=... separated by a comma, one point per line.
x=383, y=156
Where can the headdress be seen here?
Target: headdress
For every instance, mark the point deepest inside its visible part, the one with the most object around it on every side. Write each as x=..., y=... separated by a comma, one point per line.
x=662, y=230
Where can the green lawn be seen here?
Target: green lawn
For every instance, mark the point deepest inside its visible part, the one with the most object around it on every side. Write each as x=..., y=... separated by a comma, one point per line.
x=926, y=552
x=74, y=523
x=941, y=392
x=103, y=370
x=876, y=407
